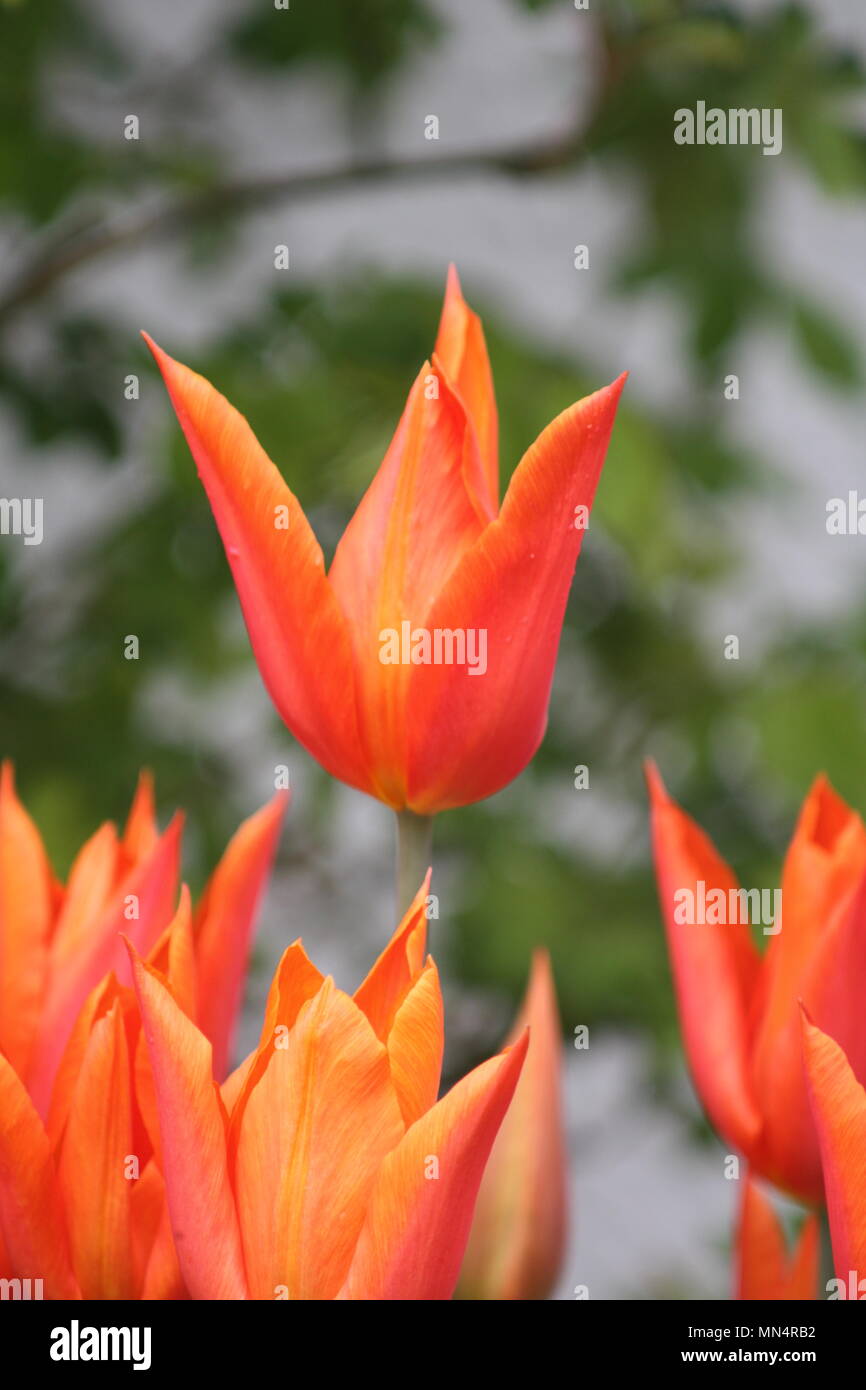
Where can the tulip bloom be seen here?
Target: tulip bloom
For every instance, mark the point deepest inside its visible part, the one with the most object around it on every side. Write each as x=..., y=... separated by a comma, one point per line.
x=326, y=1168
x=419, y=668
x=839, y=1106
x=764, y=1269
x=518, y=1233
x=82, y=1198
x=58, y=942
x=738, y=1007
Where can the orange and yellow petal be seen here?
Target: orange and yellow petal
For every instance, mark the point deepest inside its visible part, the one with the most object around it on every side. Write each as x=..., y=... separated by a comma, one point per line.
x=764, y=1269
x=475, y=726
x=461, y=348
x=839, y=1107
x=715, y=968
x=26, y=914
x=94, y=1161
x=314, y=1131
x=297, y=628
x=193, y=1128
x=32, y=1224
x=224, y=924
x=420, y=1209
x=518, y=1232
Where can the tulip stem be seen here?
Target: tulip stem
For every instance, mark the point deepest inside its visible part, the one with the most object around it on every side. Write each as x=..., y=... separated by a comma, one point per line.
x=826, y=1269
x=414, y=852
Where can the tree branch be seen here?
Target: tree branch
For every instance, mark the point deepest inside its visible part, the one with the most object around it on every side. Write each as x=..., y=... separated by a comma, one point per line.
x=235, y=197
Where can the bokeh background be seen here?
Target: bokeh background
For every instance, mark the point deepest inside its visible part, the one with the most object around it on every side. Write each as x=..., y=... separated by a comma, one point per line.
x=305, y=127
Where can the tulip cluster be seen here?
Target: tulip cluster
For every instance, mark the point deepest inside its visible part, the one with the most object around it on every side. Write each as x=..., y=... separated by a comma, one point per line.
x=776, y=1039
x=133, y=1163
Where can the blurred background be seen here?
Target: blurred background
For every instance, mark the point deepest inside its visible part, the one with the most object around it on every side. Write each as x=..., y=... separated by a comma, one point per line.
x=305, y=127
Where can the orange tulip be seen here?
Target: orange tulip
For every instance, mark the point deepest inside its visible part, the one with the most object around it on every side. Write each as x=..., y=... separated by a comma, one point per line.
x=764, y=1270
x=518, y=1233
x=82, y=1198
x=58, y=942
x=419, y=667
x=839, y=1106
x=738, y=1007
x=325, y=1168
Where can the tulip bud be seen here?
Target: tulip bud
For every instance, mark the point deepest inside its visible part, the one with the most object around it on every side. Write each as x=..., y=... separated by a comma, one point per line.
x=518, y=1232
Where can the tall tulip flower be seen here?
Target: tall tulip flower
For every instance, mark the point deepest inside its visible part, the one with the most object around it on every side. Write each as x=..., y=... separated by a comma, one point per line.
x=764, y=1269
x=738, y=1007
x=518, y=1232
x=326, y=1168
x=419, y=668
x=839, y=1105
x=57, y=942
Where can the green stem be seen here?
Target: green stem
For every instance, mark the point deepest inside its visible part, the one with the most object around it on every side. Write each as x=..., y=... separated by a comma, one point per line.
x=414, y=853
x=826, y=1272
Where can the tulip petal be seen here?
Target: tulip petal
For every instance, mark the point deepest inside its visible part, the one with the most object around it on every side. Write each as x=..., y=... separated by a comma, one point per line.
x=461, y=348
x=224, y=924
x=96, y=1146
x=475, y=726
x=141, y=832
x=518, y=1232
x=192, y=1125
x=789, y=1153
x=820, y=948
x=234, y=1083
x=26, y=904
x=415, y=1045
x=157, y=1270
x=416, y=520
x=295, y=981
x=163, y=1278
x=174, y=957
x=95, y=1006
x=92, y=881
x=824, y=865
x=315, y=1129
x=147, y=1205
x=149, y=893
x=715, y=969
x=839, y=1106
x=296, y=626
x=764, y=1270
x=420, y=1210
x=399, y=965
x=31, y=1215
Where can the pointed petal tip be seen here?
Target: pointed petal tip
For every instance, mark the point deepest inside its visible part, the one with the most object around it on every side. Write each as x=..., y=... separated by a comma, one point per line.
x=134, y=957
x=517, y=1050
x=611, y=393
x=658, y=793
x=154, y=347
x=541, y=962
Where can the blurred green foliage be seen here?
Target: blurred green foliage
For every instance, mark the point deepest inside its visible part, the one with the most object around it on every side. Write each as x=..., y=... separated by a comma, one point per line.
x=322, y=374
